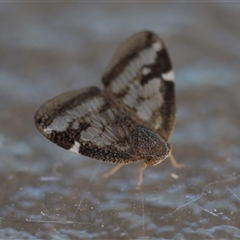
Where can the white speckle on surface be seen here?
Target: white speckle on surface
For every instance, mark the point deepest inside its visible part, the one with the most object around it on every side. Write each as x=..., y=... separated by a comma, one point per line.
x=175, y=176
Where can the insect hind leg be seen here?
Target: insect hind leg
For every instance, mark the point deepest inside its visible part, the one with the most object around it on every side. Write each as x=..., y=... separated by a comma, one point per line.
x=175, y=163
x=113, y=171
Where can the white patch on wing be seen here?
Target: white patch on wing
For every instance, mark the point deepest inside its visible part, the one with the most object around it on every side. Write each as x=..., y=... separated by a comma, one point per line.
x=169, y=76
x=61, y=123
x=75, y=147
x=146, y=71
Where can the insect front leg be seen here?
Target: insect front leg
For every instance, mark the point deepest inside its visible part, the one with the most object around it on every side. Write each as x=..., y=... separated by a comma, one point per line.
x=140, y=176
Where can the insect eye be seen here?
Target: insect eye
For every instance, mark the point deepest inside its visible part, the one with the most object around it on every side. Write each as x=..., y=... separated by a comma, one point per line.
x=149, y=159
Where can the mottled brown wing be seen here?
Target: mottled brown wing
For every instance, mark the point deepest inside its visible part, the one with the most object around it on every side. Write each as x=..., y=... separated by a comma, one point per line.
x=83, y=121
x=140, y=76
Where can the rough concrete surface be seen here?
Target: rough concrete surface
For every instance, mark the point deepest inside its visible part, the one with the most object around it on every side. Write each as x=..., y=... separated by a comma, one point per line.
x=49, y=193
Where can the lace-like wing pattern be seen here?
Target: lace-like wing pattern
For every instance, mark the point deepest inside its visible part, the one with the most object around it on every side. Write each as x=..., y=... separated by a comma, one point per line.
x=130, y=120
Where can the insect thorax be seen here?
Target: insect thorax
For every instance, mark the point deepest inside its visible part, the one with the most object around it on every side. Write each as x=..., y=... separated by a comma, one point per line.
x=151, y=148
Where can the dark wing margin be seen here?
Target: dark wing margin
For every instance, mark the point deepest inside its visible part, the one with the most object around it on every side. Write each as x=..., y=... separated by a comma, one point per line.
x=83, y=121
x=140, y=76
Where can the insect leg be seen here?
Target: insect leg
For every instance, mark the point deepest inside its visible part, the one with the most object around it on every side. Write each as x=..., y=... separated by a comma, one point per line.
x=175, y=163
x=140, y=176
x=112, y=171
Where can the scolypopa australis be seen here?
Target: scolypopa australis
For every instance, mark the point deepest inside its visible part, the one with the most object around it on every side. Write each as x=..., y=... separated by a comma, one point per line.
x=130, y=120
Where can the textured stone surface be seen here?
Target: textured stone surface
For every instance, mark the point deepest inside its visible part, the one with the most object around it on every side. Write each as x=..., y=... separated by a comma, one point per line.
x=46, y=192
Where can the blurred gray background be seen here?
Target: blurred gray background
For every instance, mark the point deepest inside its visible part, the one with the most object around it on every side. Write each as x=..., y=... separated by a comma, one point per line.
x=49, y=193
